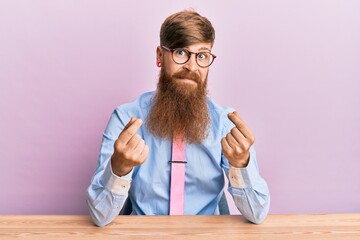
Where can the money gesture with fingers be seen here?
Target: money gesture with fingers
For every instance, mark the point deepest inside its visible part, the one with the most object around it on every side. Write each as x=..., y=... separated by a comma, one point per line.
x=236, y=144
x=130, y=149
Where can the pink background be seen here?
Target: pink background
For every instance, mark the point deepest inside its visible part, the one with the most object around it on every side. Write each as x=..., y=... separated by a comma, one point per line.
x=290, y=68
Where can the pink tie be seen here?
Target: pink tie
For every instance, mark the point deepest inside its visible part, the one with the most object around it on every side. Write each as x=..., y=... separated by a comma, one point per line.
x=177, y=178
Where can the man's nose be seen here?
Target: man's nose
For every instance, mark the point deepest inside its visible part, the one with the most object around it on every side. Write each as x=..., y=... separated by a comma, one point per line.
x=191, y=65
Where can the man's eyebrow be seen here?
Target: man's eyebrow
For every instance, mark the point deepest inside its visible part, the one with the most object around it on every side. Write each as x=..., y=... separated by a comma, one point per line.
x=200, y=49
x=204, y=48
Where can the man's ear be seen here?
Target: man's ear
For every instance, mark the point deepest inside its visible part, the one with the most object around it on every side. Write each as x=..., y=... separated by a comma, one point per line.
x=158, y=54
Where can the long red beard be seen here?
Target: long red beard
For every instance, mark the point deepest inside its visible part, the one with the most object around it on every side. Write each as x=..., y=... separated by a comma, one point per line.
x=179, y=109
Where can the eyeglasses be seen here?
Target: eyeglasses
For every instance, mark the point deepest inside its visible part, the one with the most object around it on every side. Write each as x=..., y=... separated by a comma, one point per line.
x=182, y=56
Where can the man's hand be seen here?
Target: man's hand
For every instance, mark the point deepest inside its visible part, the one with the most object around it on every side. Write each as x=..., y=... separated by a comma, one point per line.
x=129, y=149
x=236, y=144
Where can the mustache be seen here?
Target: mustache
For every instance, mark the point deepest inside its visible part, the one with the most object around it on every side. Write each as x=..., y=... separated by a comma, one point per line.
x=187, y=75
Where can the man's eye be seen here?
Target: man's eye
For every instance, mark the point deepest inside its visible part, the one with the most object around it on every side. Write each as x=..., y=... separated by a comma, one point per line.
x=203, y=56
x=180, y=52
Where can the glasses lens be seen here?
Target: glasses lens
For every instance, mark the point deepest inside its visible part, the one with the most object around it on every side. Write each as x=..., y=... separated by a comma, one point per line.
x=181, y=55
x=204, y=59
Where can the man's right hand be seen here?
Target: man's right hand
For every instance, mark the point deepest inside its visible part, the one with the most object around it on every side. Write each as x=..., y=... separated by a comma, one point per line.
x=130, y=149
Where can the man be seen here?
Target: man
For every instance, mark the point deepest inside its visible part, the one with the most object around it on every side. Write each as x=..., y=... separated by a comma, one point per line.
x=141, y=137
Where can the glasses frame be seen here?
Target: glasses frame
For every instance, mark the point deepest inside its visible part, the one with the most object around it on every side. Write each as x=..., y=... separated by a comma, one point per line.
x=189, y=56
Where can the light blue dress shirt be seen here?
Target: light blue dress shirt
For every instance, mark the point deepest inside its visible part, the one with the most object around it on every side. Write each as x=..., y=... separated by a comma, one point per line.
x=148, y=185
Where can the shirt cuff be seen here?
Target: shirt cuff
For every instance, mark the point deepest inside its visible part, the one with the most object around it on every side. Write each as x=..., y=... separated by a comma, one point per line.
x=115, y=184
x=244, y=177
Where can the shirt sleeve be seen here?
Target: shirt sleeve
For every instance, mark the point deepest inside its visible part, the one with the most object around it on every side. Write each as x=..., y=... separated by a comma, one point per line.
x=115, y=184
x=107, y=192
x=249, y=190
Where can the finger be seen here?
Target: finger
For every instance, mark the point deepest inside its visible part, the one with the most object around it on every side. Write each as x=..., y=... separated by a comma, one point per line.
x=226, y=149
x=140, y=153
x=130, y=131
x=240, y=124
x=231, y=141
x=144, y=153
x=132, y=120
x=139, y=147
x=134, y=141
x=238, y=136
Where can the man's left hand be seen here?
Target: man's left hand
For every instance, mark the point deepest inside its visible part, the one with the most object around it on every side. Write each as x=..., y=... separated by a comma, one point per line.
x=236, y=144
